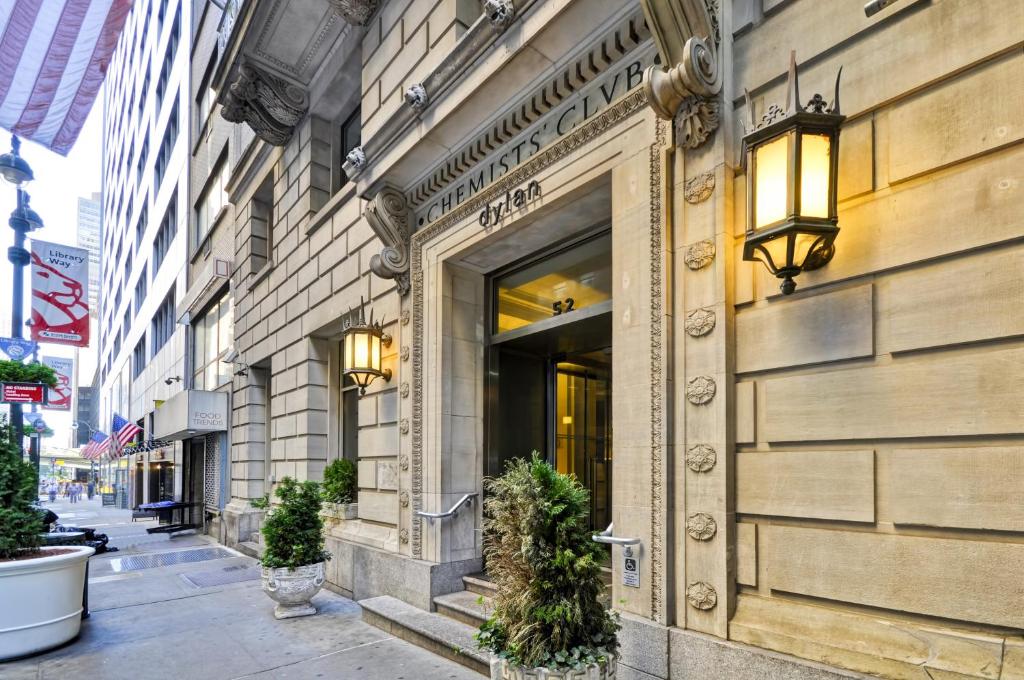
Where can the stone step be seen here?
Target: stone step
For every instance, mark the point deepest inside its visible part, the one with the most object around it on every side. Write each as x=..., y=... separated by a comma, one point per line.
x=434, y=632
x=466, y=606
x=480, y=584
x=251, y=549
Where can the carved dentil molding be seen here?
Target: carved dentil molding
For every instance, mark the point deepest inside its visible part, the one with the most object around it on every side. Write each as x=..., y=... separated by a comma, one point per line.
x=355, y=12
x=389, y=217
x=687, y=36
x=268, y=104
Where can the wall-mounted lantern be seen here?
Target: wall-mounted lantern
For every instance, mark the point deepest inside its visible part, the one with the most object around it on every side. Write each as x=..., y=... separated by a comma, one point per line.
x=792, y=158
x=363, y=343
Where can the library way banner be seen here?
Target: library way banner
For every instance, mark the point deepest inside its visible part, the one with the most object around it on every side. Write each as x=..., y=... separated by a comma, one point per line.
x=60, y=294
x=59, y=398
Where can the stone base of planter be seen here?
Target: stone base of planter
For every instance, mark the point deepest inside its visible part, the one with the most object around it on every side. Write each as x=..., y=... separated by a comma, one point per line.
x=291, y=611
x=503, y=670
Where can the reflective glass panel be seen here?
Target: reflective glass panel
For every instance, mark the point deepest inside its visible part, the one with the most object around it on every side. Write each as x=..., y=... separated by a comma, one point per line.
x=771, y=163
x=815, y=153
x=561, y=284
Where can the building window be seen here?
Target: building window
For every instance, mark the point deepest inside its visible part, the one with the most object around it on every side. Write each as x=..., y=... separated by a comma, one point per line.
x=140, y=290
x=349, y=135
x=214, y=197
x=165, y=234
x=163, y=157
x=261, y=215
x=206, y=97
x=139, y=357
x=163, y=323
x=168, y=63
x=213, y=333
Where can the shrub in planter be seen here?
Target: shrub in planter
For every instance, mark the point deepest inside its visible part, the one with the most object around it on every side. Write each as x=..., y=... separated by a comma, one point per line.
x=294, y=555
x=547, y=569
x=40, y=588
x=339, y=489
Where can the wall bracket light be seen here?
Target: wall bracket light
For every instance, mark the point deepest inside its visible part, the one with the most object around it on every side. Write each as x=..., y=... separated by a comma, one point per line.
x=792, y=159
x=362, y=352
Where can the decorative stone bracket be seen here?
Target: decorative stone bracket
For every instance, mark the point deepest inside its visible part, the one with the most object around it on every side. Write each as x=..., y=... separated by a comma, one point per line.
x=270, y=105
x=355, y=12
x=687, y=34
x=389, y=217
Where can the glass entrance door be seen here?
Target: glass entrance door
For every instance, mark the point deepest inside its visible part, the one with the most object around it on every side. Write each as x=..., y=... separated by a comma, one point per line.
x=582, y=427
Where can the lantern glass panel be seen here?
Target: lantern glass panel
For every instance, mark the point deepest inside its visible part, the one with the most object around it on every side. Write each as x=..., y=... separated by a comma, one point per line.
x=771, y=188
x=777, y=250
x=803, y=243
x=815, y=166
x=374, y=352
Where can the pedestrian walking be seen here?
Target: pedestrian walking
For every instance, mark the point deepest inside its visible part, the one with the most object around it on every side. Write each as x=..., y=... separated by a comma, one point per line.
x=73, y=490
x=91, y=488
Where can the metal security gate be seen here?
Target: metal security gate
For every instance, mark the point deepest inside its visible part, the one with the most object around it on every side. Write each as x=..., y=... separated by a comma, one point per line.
x=211, y=473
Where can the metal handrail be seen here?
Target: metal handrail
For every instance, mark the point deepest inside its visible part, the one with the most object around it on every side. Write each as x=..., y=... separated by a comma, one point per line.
x=450, y=512
x=606, y=537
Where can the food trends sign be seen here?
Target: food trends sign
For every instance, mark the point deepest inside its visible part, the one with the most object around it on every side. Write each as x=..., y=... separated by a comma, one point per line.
x=589, y=100
x=60, y=294
x=59, y=397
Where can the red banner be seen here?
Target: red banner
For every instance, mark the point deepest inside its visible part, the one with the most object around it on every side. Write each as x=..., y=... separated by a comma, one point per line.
x=22, y=393
x=59, y=398
x=60, y=294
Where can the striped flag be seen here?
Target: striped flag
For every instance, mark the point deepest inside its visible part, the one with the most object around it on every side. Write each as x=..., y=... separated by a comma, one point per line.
x=124, y=431
x=53, y=58
x=98, y=444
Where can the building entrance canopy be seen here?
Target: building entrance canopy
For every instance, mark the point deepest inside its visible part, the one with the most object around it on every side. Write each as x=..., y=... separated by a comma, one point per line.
x=191, y=412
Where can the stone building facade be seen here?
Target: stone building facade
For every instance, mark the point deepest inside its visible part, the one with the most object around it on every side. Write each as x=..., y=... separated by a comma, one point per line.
x=545, y=202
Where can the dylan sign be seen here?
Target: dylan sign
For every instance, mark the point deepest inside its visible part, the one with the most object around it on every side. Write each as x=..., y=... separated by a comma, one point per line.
x=597, y=95
x=493, y=214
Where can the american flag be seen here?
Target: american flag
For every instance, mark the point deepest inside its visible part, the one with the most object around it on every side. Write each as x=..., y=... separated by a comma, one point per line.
x=124, y=431
x=98, y=444
x=53, y=57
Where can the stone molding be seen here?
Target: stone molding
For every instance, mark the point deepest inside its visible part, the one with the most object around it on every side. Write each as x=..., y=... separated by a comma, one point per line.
x=389, y=217
x=688, y=36
x=355, y=12
x=600, y=123
x=268, y=104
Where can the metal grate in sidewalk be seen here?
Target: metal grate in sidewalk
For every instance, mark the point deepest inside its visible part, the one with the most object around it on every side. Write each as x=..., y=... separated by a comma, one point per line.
x=136, y=562
x=219, y=577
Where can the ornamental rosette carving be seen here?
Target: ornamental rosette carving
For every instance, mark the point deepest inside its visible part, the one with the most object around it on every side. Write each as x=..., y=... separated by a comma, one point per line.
x=403, y=536
x=404, y=390
x=403, y=499
x=699, y=322
x=699, y=188
x=405, y=353
x=355, y=12
x=700, y=390
x=700, y=254
x=701, y=526
x=701, y=595
x=268, y=104
x=405, y=317
x=403, y=462
x=701, y=458
x=403, y=426
x=389, y=216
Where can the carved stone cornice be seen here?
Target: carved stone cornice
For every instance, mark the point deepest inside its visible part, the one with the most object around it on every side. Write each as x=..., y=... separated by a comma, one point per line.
x=390, y=218
x=270, y=105
x=687, y=35
x=355, y=12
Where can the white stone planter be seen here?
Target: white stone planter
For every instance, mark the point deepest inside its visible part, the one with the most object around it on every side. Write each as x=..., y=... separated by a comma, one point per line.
x=503, y=670
x=41, y=600
x=292, y=589
x=339, y=511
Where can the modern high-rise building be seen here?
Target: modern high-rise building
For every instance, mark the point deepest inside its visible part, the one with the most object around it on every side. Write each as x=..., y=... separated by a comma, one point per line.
x=142, y=277
x=89, y=238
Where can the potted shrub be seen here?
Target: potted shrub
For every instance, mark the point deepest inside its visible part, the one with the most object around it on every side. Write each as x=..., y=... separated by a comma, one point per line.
x=339, y=490
x=293, y=554
x=547, y=619
x=40, y=587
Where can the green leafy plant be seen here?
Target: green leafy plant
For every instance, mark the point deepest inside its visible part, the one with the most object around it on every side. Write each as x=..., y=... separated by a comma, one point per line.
x=261, y=503
x=30, y=431
x=19, y=522
x=15, y=371
x=293, y=530
x=538, y=547
x=340, y=480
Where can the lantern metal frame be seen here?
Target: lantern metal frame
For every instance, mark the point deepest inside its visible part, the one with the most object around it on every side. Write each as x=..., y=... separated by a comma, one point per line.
x=817, y=118
x=356, y=323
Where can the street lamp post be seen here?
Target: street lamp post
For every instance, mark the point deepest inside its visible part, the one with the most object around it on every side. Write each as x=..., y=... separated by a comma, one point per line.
x=17, y=171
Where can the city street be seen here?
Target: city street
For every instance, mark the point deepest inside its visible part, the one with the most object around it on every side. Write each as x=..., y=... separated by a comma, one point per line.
x=208, y=619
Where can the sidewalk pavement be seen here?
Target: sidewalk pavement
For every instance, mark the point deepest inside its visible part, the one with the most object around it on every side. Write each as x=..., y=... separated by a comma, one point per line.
x=156, y=623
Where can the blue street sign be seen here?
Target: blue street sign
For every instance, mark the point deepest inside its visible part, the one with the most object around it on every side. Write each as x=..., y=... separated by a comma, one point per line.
x=17, y=348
